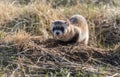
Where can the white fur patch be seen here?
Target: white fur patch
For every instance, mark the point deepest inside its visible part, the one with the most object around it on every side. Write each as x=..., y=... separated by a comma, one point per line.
x=59, y=31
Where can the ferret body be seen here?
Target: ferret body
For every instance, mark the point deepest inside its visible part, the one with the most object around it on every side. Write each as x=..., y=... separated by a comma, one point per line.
x=73, y=30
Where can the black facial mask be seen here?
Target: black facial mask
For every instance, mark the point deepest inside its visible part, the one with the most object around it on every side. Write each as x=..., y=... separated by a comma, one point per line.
x=59, y=28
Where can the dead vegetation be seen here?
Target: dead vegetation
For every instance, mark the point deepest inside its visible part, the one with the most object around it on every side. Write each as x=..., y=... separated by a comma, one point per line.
x=35, y=56
x=28, y=50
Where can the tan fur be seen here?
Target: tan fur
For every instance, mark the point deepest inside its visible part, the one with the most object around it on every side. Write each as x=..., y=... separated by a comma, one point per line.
x=77, y=24
x=81, y=26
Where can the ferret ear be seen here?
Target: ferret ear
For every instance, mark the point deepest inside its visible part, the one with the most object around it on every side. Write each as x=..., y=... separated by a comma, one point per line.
x=67, y=22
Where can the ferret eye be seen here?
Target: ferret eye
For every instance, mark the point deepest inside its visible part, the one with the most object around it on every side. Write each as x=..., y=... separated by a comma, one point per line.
x=62, y=29
x=54, y=29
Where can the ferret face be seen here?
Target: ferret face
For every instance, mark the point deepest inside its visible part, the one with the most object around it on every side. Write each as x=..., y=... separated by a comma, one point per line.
x=59, y=28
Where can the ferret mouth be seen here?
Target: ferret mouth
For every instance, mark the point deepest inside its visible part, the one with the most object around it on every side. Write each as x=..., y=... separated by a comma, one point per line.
x=57, y=38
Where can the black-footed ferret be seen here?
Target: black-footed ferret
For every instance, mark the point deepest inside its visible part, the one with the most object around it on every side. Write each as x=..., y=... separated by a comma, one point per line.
x=73, y=30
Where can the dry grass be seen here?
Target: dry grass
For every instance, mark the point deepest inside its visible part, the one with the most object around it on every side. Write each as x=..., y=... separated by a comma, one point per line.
x=28, y=50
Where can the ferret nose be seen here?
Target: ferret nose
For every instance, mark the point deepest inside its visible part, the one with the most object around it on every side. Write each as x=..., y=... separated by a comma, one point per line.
x=57, y=33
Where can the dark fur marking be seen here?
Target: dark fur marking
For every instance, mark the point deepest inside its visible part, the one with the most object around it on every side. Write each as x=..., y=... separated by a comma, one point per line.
x=57, y=22
x=71, y=41
x=74, y=20
x=59, y=28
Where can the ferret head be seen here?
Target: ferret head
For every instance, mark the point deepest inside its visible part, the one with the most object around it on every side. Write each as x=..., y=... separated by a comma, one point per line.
x=59, y=28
